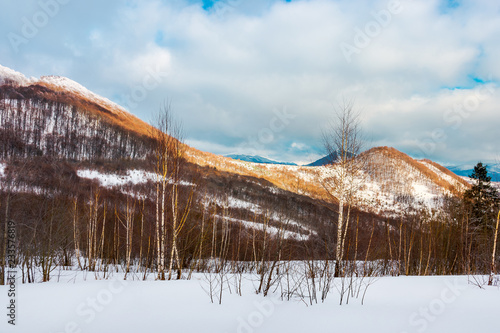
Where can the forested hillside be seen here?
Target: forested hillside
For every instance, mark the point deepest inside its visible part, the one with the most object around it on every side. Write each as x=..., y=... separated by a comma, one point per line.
x=86, y=183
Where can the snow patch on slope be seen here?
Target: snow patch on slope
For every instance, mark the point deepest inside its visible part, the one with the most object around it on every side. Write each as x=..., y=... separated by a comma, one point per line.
x=425, y=195
x=242, y=204
x=133, y=177
x=232, y=202
x=271, y=230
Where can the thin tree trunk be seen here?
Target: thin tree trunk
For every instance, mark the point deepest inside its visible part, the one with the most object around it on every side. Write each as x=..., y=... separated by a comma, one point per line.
x=4, y=248
x=202, y=239
x=338, y=254
x=157, y=231
x=174, y=230
x=101, y=252
x=142, y=236
x=400, y=244
x=493, y=268
x=163, y=231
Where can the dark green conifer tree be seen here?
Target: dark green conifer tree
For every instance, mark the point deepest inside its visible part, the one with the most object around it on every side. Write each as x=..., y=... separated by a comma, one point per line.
x=482, y=199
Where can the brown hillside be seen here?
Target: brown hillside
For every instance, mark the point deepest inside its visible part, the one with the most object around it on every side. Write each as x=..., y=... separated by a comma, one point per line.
x=393, y=153
x=115, y=115
x=448, y=172
x=297, y=179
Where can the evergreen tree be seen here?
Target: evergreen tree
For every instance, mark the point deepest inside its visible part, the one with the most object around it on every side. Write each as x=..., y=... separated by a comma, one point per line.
x=482, y=199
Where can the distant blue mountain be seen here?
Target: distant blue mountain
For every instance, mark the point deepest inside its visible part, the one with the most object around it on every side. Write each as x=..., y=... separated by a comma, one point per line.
x=467, y=169
x=256, y=159
x=325, y=160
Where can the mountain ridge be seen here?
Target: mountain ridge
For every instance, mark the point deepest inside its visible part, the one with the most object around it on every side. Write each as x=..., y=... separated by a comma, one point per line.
x=65, y=90
x=386, y=176
x=465, y=170
x=256, y=159
x=329, y=159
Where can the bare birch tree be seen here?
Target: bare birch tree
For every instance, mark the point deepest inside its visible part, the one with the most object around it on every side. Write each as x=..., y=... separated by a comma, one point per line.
x=160, y=134
x=129, y=228
x=343, y=142
x=169, y=159
x=493, y=255
x=179, y=210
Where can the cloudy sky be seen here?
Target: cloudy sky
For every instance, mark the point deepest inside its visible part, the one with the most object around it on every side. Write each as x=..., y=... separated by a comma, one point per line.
x=265, y=76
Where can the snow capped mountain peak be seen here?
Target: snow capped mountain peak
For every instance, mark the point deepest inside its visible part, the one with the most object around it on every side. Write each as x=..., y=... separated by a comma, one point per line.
x=7, y=74
x=58, y=83
x=63, y=89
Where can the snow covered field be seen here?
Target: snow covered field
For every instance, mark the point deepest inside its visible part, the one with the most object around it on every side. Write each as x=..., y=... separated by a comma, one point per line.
x=392, y=304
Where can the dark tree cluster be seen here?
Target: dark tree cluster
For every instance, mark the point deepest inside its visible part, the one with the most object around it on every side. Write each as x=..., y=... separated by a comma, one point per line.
x=482, y=199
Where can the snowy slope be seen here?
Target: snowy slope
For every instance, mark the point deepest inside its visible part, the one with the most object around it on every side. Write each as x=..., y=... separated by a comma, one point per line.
x=396, y=183
x=391, y=186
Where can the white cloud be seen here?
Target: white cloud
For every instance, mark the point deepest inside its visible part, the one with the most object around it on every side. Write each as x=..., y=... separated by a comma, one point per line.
x=299, y=146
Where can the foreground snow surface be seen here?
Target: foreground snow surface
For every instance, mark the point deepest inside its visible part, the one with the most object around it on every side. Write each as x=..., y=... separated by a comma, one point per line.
x=392, y=304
